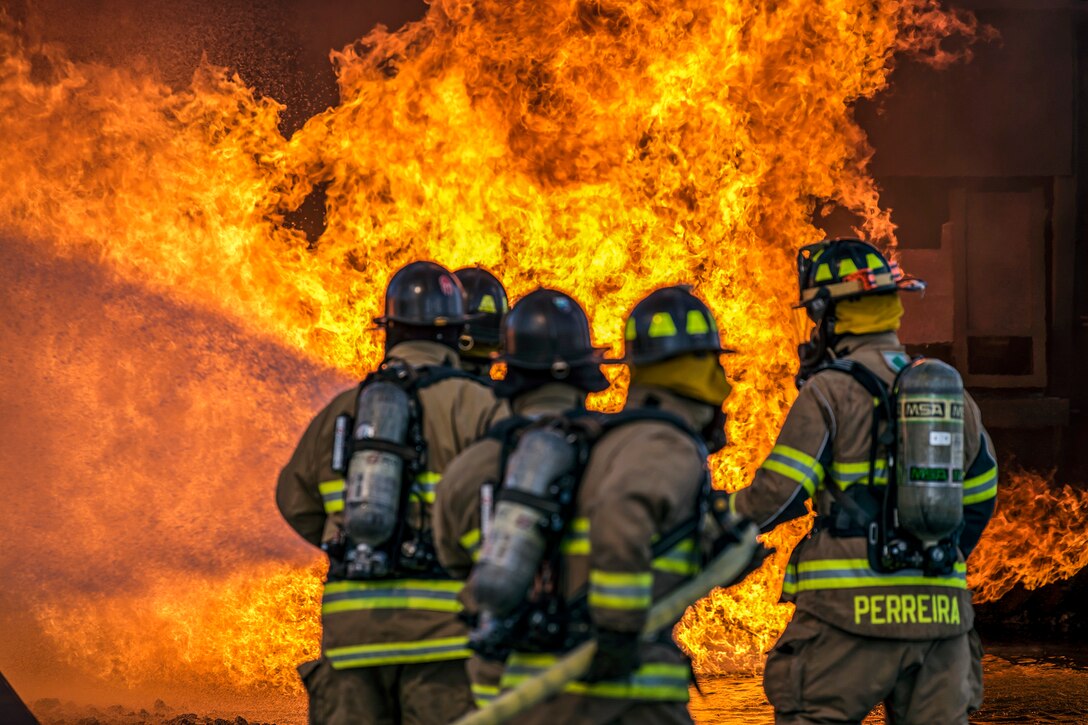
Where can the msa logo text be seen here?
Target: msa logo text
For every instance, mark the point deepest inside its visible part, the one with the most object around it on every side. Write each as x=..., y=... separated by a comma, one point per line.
x=924, y=409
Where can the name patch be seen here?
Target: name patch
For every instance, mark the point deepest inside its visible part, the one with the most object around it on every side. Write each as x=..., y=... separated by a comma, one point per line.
x=882, y=609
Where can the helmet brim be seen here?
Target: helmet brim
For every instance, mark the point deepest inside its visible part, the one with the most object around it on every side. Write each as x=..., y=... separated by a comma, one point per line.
x=662, y=356
x=903, y=284
x=437, y=322
x=911, y=284
x=597, y=356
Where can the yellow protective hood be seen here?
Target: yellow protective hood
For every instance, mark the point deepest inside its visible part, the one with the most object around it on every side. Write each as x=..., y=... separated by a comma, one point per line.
x=866, y=315
x=700, y=377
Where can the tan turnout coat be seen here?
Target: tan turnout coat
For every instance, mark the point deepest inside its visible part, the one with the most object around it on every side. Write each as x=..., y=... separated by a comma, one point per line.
x=388, y=622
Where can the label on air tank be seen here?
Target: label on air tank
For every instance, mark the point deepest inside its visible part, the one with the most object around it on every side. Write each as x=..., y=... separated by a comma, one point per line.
x=940, y=438
x=928, y=474
x=929, y=409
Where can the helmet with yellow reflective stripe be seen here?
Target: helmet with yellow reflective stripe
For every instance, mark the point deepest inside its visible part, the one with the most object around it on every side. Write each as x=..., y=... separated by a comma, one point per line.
x=838, y=269
x=487, y=304
x=669, y=322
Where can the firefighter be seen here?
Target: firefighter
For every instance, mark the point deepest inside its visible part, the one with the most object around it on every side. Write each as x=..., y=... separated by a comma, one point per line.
x=393, y=649
x=633, y=534
x=487, y=305
x=880, y=616
x=551, y=366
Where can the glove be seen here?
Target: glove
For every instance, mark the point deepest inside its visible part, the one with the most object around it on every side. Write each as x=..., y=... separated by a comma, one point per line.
x=617, y=656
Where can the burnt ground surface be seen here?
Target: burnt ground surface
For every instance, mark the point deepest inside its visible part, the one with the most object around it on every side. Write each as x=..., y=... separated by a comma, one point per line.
x=1028, y=681
x=51, y=711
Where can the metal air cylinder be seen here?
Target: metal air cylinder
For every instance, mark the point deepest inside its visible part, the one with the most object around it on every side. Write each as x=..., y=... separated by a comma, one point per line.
x=930, y=461
x=374, y=478
x=515, y=546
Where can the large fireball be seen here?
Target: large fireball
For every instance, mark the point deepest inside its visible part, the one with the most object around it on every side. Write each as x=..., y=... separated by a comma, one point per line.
x=603, y=148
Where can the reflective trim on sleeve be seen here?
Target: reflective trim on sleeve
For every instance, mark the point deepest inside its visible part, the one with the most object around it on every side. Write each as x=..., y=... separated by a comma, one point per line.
x=789, y=581
x=470, y=542
x=393, y=653
x=484, y=694
x=847, y=474
x=420, y=594
x=424, y=486
x=659, y=681
x=795, y=465
x=332, y=495
x=577, y=539
x=980, y=488
x=680, y=560
x=856, y=573
x=620, y=590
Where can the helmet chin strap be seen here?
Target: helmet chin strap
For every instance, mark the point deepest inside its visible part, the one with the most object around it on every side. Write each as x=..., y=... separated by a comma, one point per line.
x=820, y=347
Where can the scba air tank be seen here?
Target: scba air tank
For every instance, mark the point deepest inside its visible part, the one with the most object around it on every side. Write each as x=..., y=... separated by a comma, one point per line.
x=374, y=477
x=930, y=456
x=515, y=547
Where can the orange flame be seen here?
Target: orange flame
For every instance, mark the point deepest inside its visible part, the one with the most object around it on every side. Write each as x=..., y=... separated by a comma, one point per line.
x=605, y=148
x=1037, y=537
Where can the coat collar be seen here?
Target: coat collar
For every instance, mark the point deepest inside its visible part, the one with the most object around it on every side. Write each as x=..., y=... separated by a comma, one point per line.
x=418, y=353
x=548, y=399
x=695, y=414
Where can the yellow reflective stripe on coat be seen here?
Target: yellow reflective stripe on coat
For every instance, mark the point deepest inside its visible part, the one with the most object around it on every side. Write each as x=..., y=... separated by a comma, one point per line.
x=681, y=560
x=796, y=465
x=660, y=681
x=620, y=590
x=420, y=594
x=577, y=539
x=424, y=486
x=980, y=488
x=825, y=574
x=470, y=542
x=395, y=653
x=847, y=474
x=332, y=495
x=484, y=694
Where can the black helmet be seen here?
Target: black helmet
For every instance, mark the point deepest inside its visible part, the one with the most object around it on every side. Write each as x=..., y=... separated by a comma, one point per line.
x=547, y=330
x=424, y=294
x=668, y=322
x=487, y=304
x=837, y=269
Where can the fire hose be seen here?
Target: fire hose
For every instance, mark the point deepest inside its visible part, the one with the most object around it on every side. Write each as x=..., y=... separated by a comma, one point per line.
x=726, y=569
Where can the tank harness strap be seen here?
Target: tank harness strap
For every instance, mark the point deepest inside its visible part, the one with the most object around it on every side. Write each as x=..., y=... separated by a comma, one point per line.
x=687, y=528
x=375, y=444
x=506, y=428
x=692, y=526
x=578, y=605
x=587, y=427
x=411, y=380
x=859, y=510
x=540, y=503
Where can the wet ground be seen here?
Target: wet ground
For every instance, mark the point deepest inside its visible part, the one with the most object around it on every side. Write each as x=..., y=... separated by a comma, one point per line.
x=1023, y=685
